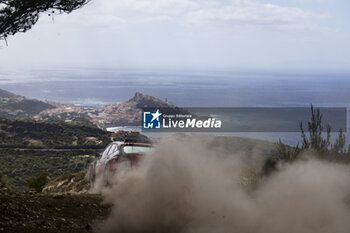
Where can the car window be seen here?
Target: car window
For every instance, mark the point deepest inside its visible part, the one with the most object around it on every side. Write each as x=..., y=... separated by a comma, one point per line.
x=136, y=149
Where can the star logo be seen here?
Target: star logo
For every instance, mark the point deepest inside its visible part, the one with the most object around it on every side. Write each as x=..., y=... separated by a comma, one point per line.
x=156, y=115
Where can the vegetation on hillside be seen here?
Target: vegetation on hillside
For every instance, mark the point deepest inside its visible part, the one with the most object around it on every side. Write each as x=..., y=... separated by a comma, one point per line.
x=16, y=106
x=21, y=133
x=17, y=165
x=28, y=148
x=27, y=107
x=38, y=182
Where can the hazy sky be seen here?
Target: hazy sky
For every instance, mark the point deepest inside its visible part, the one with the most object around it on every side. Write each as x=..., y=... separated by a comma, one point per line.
x=199, y=34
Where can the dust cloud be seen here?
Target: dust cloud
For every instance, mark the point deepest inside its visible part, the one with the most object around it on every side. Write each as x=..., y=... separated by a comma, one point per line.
x=187, y=186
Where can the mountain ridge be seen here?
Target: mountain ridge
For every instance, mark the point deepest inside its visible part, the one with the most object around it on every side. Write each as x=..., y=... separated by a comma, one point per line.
x=7, y=94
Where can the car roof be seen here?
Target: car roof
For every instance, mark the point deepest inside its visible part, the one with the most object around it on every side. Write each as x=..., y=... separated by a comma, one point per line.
x=137, y=144
x=117, y=143
x=131, y=143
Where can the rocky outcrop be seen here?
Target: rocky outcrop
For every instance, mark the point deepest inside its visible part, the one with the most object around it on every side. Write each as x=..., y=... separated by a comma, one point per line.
x=143, y=101
x=129, y=112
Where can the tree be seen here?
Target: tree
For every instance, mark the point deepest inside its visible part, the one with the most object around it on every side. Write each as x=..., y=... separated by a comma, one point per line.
x=315, y=141
x=20, y=15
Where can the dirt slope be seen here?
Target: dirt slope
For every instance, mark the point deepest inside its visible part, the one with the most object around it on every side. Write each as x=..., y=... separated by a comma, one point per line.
x=28, y=212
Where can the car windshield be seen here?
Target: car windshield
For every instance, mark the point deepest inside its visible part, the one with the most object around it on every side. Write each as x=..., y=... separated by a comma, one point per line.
x=136, y=149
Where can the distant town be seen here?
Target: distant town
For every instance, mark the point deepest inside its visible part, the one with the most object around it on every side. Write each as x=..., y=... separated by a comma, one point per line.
x=119, y=114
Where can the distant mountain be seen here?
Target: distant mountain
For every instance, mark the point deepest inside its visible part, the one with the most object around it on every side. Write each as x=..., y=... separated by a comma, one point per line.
x=143, y=101
x=20, y=107
x=7, y=94
x=129, y=113
x=29, y=106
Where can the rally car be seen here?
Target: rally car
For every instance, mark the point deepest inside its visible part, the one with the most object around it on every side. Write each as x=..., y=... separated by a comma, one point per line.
x=118, y=152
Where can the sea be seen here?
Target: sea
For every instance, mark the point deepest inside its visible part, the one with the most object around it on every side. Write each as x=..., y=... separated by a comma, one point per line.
x=187, y=88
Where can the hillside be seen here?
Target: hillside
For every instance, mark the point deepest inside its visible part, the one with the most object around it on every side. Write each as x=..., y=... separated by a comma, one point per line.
x=22, y=133
x=32, y=212
x=22, y=108
x=15, y=106
x=29, y=213
x=28, y=148
x=7, y=94
x=74, y=183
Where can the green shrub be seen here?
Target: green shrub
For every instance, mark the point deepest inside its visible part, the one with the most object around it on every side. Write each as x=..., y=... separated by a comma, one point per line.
x=39, y=181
